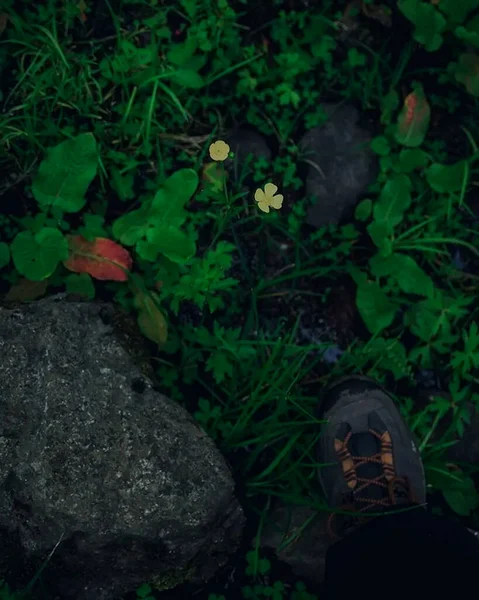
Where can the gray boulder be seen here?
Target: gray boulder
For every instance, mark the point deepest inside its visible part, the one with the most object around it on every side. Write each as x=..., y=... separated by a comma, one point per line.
x=124, y=481
x=244, y=142
x=341, y=165
x=306, y=529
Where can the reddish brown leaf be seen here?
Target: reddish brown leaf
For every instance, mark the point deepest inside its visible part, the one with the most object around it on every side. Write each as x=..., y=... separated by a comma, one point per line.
x=214, y=176
x=101, y=258
x=3, y=22
x=150, y=318
x=467, y=72
x=26, y=291
x=413, y=121
x=82, y=6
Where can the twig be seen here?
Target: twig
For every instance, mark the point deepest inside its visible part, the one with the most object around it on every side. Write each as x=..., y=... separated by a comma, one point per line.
x=21, y=178
x=191, y=140
x=315, y=166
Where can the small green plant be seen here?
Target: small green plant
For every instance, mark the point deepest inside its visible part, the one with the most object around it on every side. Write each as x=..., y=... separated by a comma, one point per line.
x=406, y=246
x=144, y=592
x=434, y=22
x=6, y=593
x=468, y=359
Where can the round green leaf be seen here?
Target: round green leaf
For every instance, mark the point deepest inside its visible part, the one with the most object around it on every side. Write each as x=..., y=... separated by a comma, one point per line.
x=457, y=12
x=80, y=284
x=355, y=58
x=380, y=145
x=188, y=79
x=179, y=54
x=411, y=159
x=390, y=101
x=363, y=210
x=66, y=173
x=171, y=242
x=447, y=178
x=174, y=194
x=374, y=306
x=394, y=200
x=462, y=498
x=37, y=256
x=379, y=232
x=466, y=71
x=429, y=23
x=470, y=37
x=405, y=270
x=130, y=228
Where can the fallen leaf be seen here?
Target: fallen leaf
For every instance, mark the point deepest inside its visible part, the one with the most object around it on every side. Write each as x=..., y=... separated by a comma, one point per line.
x=413, y=121
x=101, y=258
x=214, y=176
x=82, y=6
x=3, y=22
x=150, y=318
x=467, y=72
x=381, y=13
x=26, y=291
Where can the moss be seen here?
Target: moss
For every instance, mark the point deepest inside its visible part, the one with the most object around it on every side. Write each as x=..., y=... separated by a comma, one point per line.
x=172, y=578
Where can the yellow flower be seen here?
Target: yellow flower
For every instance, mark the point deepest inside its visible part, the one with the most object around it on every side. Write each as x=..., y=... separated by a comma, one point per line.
x=267, y=198
x=219, y=150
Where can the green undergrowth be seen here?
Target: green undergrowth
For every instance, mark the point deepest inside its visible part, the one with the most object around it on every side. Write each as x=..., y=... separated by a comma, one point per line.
x=108, y=190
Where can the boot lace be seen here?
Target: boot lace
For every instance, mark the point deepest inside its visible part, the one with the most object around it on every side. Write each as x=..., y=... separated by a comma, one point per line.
x=395, y=488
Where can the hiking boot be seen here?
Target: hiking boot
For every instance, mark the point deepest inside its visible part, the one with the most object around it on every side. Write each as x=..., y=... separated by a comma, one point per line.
x=372, y=461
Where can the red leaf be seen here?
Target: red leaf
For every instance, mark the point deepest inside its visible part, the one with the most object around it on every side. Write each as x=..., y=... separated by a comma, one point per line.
x=82, y=6
x=413, y=121
x=101, y=258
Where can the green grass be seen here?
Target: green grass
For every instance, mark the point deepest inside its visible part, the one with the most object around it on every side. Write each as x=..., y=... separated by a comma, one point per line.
x=156, y=84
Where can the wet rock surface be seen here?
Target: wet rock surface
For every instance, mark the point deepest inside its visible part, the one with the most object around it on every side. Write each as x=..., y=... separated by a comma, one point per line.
x=307, y=552
x=248, y=146
x=247, y=141
x=115, y=473
x=341, y=165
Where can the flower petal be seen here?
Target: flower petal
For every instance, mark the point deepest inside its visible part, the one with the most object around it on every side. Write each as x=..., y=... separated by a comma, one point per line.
x=276, y=201
x=219, y=150
x=225, y=150
x=212, y=150
x=259, y=195
x=270, y=189
x=264, y=206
